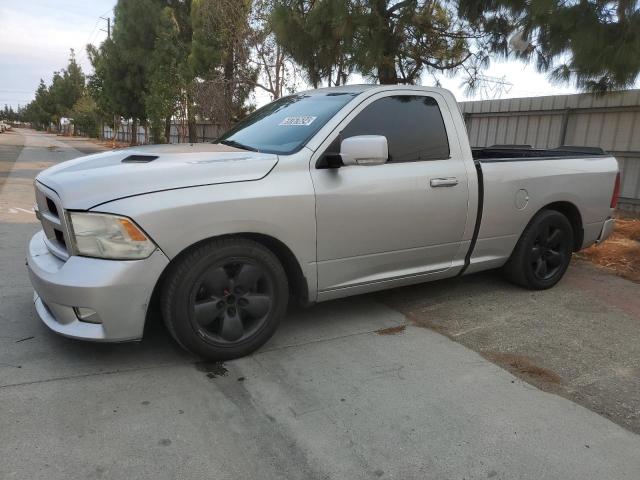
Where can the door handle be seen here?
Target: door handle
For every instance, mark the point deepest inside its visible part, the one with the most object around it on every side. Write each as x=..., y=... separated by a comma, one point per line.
x=444, y=182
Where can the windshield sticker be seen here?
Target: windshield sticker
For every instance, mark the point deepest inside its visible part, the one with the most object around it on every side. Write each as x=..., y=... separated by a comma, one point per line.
x=304, y=121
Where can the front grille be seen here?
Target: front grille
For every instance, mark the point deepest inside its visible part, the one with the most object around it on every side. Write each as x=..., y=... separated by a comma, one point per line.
x=53, y=221
x=52, y=207
x=60, y=237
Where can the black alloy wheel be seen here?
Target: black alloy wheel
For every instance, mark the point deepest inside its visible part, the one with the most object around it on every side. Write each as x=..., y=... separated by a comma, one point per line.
x=231, y=301
x=224, y=298
x=543, y=252
x=549, y=252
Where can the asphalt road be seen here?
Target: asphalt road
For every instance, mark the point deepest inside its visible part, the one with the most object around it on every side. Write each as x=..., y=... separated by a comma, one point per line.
x=348, y=389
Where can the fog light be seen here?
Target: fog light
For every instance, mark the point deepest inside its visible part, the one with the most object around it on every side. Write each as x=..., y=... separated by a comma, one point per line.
x=87, y=315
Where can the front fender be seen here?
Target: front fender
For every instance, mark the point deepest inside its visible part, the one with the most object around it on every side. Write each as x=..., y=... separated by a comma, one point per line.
x=178, y=219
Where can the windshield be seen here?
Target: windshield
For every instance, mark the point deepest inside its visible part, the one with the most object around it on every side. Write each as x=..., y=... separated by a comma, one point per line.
x=284, y=126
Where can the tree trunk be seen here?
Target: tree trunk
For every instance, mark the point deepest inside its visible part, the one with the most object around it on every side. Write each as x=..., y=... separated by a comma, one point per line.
x=134, y=132
x=114, y=135
x=167, y=129
x=386, y=67
x=231, y=115
x=193, y=133
x=191, y=120
x=387, y=74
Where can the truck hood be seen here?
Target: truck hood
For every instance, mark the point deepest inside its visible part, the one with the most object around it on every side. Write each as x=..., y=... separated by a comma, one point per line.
x=88, y=181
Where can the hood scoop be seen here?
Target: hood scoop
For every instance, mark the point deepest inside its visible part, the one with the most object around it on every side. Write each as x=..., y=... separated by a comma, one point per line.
x=139, y=158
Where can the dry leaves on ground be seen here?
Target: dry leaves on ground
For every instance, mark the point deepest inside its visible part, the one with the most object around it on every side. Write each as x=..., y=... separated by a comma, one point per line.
x=620, y=252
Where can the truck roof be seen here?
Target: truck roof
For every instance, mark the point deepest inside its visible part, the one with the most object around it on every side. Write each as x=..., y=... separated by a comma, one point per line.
x=360, y=88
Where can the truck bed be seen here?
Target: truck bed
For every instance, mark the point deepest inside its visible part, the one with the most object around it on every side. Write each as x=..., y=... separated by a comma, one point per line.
x=504, y=153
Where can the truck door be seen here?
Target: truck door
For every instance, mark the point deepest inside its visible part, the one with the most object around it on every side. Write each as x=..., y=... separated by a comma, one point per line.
x=401, y=219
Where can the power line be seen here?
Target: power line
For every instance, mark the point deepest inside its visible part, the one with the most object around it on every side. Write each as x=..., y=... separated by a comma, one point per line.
x=108, y=30
x=92, y=36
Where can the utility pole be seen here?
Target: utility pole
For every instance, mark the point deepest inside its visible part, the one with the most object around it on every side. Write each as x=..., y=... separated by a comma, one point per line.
x=115, y=119
x=108, y=30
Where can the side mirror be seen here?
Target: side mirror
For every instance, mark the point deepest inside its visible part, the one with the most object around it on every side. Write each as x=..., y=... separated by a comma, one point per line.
x=364, y=150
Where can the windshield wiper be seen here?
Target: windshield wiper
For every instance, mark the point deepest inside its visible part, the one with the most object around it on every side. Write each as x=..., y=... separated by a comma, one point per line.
x=233, y=143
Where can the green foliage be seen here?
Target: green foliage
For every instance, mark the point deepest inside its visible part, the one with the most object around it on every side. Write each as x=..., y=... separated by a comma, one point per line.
x=318, y=35
x=10, y=115
x=165, y=80
x=207, y=41
x=129, y=55
x=56, y=101
x=398, y=41
x=96, y=88
x=122, y=64
x=221, y=59
x=85, y=116
x=592, y=42
x=38, y=111
x=389, y=40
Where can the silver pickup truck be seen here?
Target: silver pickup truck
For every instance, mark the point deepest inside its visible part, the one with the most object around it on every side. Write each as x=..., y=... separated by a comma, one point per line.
x=319, y=195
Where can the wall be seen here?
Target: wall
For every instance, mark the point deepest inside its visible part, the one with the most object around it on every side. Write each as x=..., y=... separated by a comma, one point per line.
x=610, y=121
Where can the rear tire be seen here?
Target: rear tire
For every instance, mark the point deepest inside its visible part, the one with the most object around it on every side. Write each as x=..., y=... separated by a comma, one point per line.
x=225, y=298
x=543, y=253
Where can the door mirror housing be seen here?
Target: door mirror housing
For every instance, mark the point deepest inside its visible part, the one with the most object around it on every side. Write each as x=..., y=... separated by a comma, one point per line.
x=364, y=150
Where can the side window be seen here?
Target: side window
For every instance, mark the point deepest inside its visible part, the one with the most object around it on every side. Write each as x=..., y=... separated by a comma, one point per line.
x=413, y=126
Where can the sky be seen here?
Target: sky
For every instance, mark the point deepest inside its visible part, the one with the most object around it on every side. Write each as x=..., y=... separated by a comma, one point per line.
x=36, y=36
x=35, y=39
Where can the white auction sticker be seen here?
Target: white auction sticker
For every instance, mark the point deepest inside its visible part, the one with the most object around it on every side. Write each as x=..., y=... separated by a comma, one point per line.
x=298, y=121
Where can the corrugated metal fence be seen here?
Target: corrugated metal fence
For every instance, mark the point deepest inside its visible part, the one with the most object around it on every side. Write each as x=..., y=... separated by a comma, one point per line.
x=205, y=132
x=610, y=121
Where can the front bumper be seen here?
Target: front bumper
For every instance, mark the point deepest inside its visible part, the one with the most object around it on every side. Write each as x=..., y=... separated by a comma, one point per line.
x=118, y=291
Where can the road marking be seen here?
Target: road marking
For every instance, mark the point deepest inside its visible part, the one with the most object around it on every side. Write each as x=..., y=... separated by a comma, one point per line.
x=31, y=211
x=15, y=210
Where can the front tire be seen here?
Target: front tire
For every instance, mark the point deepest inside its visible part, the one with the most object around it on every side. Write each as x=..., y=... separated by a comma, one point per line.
x=543, y=253
x=225, y=298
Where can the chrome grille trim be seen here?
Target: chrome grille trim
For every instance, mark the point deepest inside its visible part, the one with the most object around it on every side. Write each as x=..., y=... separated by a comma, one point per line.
x=52, y=221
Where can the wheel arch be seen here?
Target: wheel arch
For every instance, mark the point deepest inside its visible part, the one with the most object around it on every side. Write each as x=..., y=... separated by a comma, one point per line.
x=298, y=285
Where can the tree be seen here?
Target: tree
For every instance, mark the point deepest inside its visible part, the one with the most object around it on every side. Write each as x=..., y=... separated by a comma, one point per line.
x=594, y=43
x=72, y=85
x=276, y=70
x=391, y=41
x=40, y=110
x=126, y=58
x=57, y=100
x=398, y=41
x=165, y=82
x=85, y=116
x=318, y=35
x=9, y=114
x=102, y=84
x=181, y=12
x=220, y=59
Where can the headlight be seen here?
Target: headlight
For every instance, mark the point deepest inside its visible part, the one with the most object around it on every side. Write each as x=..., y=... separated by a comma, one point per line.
x=109, y=236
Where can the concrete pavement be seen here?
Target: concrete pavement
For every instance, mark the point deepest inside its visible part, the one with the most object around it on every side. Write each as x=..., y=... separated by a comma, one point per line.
x=328, y=397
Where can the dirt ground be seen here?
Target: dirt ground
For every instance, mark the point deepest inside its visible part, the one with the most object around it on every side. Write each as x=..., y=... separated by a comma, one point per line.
x=110, y=144
x=620, y=253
